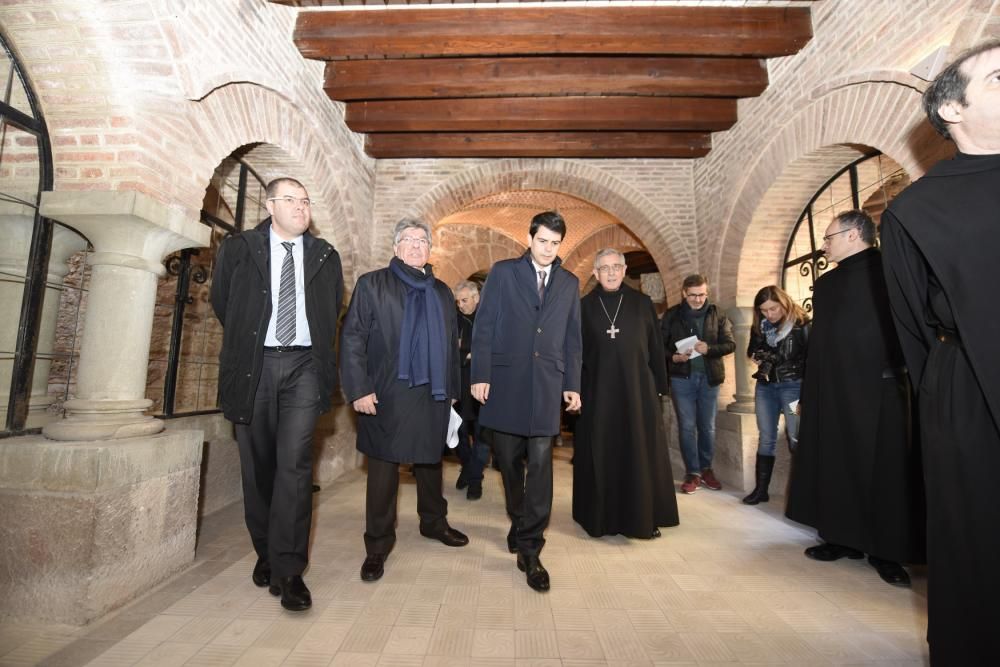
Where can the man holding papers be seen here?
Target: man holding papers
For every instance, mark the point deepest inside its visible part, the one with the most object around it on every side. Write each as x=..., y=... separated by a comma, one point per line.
x=696, y=335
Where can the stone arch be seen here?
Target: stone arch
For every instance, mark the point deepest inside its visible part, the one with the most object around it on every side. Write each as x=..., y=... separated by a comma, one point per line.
x=577, y=179
x=279, y=140
x=461, y=250
x=823, y=137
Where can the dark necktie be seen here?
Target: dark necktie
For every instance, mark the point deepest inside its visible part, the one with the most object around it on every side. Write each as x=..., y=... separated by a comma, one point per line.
x=541, y=285
x=284, y=329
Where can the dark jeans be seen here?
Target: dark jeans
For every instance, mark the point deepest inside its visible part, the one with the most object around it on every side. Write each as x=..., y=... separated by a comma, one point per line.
x=472, y=452
x=526, y=468
x=696, y=403
x=276, y=461
x=380, y=502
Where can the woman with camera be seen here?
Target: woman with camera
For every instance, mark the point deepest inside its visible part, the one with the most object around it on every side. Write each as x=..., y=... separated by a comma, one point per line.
x=778, y=346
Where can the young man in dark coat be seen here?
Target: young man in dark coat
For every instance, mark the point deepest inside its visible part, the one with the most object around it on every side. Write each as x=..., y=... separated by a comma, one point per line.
x=399, y=369
x=526, y=352
x=941, y=243
x=471, y=450
x=622, y=482
x=695, y=378
x=277, y=291
x=856, y=474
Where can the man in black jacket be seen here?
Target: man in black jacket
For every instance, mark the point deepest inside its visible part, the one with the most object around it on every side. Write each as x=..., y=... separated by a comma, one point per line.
x=473, y=452
x=277, y=370
x=696, y=370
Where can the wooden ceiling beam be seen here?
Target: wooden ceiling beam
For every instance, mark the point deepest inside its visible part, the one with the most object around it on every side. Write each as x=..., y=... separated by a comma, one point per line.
x=657, y=30
x=570, y=75
x=520, y=114
x=539, y=144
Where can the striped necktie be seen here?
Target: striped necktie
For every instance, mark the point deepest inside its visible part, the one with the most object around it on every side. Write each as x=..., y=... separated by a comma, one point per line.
x=285, y=327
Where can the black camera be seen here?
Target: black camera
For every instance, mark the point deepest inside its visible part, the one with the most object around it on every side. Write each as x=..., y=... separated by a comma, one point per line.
x=765, y=364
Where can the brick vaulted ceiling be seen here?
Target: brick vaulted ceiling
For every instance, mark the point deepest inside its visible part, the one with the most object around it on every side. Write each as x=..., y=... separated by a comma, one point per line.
x=545, y=79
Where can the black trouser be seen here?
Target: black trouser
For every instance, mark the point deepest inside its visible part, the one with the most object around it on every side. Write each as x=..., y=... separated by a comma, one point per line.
x=276, y=461
x=380, y=502
x=526, y=468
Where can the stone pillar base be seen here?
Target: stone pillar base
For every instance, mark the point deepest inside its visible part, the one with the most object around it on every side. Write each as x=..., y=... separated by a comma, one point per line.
x=103, y=420
x=88, y=526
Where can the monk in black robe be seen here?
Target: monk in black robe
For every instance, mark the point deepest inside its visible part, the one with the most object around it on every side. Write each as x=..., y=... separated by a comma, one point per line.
x=856, y=473
x=941, y=243
x=622, y=482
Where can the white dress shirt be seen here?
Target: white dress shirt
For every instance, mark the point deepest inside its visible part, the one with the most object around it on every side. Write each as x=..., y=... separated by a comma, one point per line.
x=278, y=252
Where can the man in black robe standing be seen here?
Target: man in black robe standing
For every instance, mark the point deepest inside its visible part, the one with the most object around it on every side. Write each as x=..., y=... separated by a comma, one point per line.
x=622, y=482
x=525, y=361
x=471, y=450
x=399, y=369
x=941, y=242
x=856, y=474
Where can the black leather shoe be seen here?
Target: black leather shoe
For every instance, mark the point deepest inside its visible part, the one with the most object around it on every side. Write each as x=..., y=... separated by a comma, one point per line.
x=891, y=572
x=536, y=574
x=261, y=573
x=461, y=482
x=449, y=537
x=657, y=533
x=373, y=568
x=475, y=492
x=512, y=541
x=294, y=594
x=829, y=551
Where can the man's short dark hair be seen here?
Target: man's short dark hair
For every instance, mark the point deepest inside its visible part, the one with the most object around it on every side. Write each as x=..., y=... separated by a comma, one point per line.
x=551, y=221
x=272, y=187
x=950, y=85
x=694, y=280
x=856, y=219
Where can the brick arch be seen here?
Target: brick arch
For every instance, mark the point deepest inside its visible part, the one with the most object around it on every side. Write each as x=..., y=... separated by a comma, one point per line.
x=281, y=142
x=581, y=261
x=461, y=250
x=577, y=179
x=801, y=156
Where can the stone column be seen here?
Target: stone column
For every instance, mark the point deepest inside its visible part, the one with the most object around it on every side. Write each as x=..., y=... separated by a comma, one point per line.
x=742, y=319
x=131, y=234
x=17, y=222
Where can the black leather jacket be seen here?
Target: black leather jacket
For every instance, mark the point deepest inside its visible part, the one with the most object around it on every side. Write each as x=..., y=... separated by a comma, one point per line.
x=718, y=335
x=787, y=361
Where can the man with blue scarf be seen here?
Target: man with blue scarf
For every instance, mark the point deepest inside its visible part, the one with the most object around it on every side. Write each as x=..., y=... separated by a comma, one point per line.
x=400, y=370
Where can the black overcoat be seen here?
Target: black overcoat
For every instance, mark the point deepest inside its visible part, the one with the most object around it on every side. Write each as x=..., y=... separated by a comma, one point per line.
x=527, y=350
x=622, y=481
x=409, y=425
x=856, y=473
x=468, y=407
x=941, y=242
x=241, y=299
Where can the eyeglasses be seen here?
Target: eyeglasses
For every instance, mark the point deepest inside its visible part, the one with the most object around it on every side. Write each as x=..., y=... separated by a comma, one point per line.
x=290, y=200
x=611, y=268
x=826, y=239
x=413, y=240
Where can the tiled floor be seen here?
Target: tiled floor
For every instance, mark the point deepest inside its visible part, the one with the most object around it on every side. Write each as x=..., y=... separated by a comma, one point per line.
x=729, y=585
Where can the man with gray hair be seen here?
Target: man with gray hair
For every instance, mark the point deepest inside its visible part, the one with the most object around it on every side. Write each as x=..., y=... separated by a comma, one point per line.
x=400, y=371
x=940, y=241
x=471, y=450
x=622, y=482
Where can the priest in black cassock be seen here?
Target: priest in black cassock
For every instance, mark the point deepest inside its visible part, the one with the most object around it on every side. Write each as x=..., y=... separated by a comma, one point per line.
x=856, y=470
x=622, y=482
x=941, y=242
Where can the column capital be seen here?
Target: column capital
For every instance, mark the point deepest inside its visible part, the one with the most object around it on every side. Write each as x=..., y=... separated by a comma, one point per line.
x=126, y=227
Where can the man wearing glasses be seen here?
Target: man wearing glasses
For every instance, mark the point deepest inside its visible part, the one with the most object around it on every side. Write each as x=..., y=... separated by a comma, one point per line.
x=622, y=483
x=400, y=370
x=277, y=291
x=856, y=475
x=696, y=335
x=525, y=362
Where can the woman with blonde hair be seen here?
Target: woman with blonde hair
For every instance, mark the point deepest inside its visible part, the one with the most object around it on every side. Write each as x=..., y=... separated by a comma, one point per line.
x=778, y=341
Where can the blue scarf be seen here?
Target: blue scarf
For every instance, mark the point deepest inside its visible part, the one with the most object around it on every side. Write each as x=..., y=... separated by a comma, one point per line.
x=773, y=334
x=422, y=344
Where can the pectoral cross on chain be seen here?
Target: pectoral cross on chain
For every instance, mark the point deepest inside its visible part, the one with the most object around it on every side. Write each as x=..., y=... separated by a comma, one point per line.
x=612, y=331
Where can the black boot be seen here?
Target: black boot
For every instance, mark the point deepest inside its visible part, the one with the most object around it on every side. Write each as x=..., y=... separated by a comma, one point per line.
x=765, y=466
